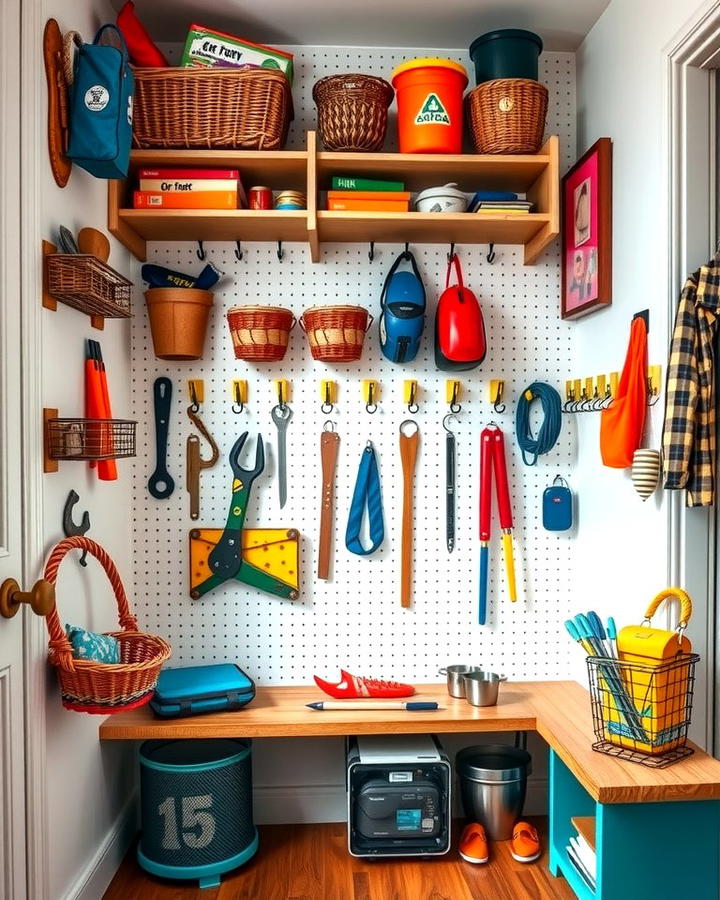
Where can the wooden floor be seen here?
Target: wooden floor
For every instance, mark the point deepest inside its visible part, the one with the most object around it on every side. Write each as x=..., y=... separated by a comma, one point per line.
x=311, y=862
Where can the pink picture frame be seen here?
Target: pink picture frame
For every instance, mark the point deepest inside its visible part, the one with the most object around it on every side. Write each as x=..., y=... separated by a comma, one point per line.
x=586, y=213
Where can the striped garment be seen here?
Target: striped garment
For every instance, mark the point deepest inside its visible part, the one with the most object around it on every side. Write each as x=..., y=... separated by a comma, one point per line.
x=689, y=438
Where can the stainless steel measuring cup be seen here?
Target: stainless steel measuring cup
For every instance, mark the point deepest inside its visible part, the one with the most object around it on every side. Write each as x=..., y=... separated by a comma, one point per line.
x=455, y=685
x=481, y=688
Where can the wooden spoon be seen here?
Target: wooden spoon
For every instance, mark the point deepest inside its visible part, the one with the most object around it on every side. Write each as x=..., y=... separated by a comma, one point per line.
x=94, y=242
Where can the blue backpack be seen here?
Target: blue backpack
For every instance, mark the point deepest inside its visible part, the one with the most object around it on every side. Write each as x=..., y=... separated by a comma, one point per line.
x=100, y=100
x=403, y=312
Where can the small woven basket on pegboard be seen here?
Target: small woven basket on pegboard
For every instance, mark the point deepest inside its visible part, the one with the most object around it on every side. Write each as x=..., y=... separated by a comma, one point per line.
x=100, y=687
x=352, y=111
x=249, y=109
x=260, y=332
x=507, y=115
x=336, y=333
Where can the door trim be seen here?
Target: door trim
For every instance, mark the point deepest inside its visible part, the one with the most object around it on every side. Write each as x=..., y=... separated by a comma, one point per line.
x=33, y=143
x=691, y=239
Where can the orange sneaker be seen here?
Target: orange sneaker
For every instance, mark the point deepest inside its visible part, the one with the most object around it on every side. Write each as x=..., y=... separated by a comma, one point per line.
x=525, y=846
x=473, y=845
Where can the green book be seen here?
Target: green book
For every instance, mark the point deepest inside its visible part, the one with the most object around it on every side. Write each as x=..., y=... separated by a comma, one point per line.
x=347, y=183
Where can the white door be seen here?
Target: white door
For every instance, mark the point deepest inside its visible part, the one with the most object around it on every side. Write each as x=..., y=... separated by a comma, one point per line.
x=12, y=767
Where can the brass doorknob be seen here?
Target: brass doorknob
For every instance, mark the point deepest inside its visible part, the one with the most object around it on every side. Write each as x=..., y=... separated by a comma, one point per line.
x=41, y=597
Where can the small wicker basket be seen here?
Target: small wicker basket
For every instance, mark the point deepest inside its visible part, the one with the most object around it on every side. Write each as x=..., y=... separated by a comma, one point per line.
x=352, y=111
x=96, y=687
x=260, y=332
x=507, y=115
x=246, y=108
x=336, y=333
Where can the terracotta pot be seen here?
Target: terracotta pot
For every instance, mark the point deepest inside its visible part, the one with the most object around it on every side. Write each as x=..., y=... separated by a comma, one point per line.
x=178, y=321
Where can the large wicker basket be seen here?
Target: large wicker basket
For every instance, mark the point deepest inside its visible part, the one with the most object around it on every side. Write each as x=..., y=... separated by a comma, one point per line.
x=336, y=333
x=507, y=115
x=96, y=687
x=249, y=109
x=352, y=111
x=260, y=332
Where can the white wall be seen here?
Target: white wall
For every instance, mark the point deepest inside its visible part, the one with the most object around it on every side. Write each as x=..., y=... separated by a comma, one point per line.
x=88, y=783
x=621, y=71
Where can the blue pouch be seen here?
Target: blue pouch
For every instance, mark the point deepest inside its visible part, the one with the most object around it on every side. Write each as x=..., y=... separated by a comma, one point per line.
x=194, y=690
x=100, y=100
x=403, y=312
x=557, y=507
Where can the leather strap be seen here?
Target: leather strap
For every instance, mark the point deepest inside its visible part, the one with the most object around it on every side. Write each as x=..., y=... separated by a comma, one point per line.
x=366, y=496
x=408, y=455
x=329, y=446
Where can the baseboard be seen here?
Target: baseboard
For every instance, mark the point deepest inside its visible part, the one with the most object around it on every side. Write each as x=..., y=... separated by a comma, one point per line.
x=99, y=872
x=306, y=804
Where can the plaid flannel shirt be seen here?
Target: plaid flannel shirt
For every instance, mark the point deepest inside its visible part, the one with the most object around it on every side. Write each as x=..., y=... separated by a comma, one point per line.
x=689, y=430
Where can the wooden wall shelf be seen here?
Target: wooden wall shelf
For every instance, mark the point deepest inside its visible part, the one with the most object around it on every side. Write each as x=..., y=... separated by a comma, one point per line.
x=312, y=171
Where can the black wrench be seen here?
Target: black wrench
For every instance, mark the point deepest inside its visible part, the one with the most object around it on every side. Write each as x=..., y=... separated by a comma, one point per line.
x=160, y=483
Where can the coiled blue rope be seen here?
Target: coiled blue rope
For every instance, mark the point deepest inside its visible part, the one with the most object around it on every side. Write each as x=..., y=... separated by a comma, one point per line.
x=533, y=447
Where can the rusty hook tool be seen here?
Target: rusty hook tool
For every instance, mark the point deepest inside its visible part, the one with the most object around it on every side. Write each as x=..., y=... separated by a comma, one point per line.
x=195, y=463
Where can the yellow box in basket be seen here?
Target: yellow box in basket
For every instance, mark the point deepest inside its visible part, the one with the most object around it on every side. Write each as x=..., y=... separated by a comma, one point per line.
x=656, y=681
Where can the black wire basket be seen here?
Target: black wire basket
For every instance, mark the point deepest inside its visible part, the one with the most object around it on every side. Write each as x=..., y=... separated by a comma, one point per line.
x=642, y=712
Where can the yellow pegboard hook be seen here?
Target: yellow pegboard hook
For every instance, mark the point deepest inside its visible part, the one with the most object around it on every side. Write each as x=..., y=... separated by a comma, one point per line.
x=497, y=389
x=328, y=395
x=410, y=392
x=239, y=391
x=370, y=394
x=282, y=391
x=453, y=389
x=196, y=390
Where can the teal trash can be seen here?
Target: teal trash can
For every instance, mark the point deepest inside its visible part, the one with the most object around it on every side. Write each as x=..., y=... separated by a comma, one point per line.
x=196, y=805
x=507, y=53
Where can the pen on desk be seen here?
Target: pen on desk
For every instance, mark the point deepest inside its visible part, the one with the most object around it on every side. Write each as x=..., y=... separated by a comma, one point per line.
x=409, y=706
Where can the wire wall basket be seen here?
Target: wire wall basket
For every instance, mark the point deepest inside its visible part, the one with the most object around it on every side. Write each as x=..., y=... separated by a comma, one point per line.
x=641, y=712
x=90, y=438
x=88, y=284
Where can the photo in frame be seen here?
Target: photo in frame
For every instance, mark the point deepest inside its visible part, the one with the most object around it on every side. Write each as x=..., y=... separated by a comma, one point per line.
x=586, y=204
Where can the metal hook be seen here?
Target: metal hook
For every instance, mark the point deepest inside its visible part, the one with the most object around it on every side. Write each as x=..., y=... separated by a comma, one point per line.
x=70, y=529
x=652, y=393
x=455, y=407
x=371, y=252
x=238, y=401
x=491, y=254
x=407, y=247
x=280, y=251
x=568, y=404
x=446, y=419
x=498, y=405
x=452, y=252
x=371, y=399
x=238, y=251
x=201, y=255
x=329, y=425
x=327, y=405
x=195, y=406
x=412, y=402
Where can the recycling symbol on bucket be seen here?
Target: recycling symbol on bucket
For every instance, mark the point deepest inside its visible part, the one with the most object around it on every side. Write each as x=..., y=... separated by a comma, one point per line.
x=432, y=112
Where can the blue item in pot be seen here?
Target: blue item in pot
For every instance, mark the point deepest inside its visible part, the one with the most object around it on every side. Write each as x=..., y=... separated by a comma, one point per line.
x=403, y=311
x=160, y=277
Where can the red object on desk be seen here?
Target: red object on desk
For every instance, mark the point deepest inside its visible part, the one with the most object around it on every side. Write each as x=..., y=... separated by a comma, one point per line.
x=353, y=687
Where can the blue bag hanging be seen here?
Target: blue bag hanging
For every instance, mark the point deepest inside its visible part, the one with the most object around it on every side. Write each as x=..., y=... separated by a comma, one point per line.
x=100, y=99
x=403, y=312
x=557, y=506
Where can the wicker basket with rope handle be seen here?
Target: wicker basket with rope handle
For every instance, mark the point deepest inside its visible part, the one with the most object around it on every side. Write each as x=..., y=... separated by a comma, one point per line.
x=96, y=687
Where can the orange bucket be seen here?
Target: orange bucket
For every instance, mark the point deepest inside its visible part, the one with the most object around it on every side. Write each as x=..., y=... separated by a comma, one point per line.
x=430, y=105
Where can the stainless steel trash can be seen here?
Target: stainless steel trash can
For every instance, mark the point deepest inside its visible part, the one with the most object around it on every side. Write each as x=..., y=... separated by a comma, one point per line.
x=493, y=782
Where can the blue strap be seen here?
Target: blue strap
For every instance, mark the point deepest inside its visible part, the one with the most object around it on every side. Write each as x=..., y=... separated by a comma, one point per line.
x=366, y=496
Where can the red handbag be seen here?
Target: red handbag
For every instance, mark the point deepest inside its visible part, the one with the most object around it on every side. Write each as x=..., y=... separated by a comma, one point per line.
x=622, y=424
x=459, y=327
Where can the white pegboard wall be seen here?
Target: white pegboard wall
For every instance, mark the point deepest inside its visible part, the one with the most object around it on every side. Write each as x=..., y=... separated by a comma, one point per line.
x=355, y=620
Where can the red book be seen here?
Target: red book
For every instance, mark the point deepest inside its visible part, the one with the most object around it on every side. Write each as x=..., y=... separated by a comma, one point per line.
x=171, y=174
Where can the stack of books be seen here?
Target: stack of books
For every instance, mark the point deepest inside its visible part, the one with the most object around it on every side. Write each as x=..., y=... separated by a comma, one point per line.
x=367, y=195
x=504, y=202
x=581, y=849
x=188, y=189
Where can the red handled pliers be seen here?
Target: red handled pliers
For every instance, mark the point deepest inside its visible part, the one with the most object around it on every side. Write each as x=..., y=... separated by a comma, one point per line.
x=492, y=459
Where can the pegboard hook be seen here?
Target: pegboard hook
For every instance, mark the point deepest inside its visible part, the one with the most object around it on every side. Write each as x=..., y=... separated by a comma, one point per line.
x=238, y=406
x=201, y=255
x=238, y=251
x=193, y=397
x=371, y=252
x=452, y=252
x=491, y=254
x=407, y=248
x=280, y=253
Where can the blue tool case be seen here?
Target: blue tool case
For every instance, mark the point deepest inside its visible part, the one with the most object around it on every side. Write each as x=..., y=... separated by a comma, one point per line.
x=195, y=690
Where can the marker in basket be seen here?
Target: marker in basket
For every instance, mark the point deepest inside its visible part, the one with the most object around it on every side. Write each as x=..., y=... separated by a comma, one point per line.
x=410, y=706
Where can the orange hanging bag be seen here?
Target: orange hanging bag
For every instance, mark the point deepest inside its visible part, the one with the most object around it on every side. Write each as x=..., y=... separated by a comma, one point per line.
x=623, y=423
